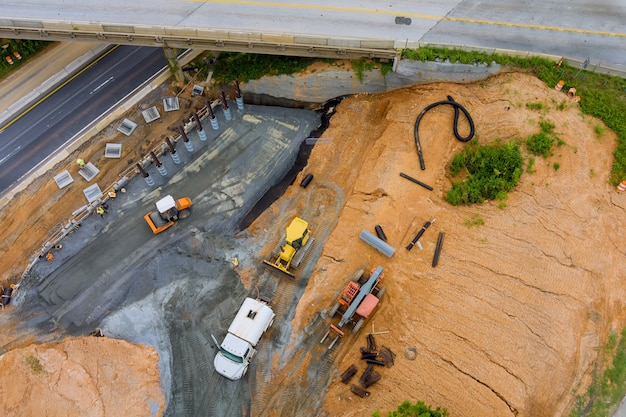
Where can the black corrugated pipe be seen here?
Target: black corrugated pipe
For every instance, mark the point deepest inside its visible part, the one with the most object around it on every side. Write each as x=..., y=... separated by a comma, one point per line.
x=456, y=106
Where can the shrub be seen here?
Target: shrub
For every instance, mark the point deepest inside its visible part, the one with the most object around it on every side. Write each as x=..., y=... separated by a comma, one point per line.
x=246, y=67
x=492, y=171
x=419, y=409
x=540, y=144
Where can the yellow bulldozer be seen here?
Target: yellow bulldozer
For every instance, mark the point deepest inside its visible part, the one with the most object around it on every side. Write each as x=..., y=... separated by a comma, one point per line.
x=291, y=249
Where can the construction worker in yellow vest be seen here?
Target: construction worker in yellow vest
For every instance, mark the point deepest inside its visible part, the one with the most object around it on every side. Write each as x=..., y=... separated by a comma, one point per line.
x=100, y=211
x=80, y=162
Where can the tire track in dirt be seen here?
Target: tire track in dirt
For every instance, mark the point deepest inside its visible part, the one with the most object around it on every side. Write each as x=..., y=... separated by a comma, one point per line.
x=294, y=384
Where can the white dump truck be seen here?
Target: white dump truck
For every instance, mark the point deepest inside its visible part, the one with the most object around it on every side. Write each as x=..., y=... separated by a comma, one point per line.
x=238, y=348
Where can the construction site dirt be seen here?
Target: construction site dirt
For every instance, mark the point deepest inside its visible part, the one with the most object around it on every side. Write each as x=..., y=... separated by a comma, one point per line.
x=511, y=321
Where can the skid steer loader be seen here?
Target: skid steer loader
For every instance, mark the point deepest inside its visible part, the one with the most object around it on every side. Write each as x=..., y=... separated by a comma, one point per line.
x=291, y=249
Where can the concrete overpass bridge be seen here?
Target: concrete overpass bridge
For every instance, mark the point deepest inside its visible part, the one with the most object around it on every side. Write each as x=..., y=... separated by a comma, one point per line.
x=577, y=29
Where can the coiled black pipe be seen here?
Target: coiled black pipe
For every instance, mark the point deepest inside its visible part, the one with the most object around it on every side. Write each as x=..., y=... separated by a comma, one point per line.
x=456, y=106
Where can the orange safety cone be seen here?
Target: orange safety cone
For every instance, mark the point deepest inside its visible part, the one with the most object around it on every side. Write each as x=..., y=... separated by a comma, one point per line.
x=622, y=187
x=559, y=85
x=571, y=92
x=17, y=55
x=9, y=60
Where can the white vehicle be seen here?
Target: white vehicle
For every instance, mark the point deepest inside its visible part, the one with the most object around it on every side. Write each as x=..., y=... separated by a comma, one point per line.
x=238, y=348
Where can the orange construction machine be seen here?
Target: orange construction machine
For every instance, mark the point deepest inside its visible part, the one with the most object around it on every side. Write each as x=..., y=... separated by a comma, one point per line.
x=356, y=303
x=168, y=211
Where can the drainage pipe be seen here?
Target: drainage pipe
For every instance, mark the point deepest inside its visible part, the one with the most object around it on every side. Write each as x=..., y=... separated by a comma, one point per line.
x=418, y=182
x=379, y=232
x=438, y=249
x=377, y=243
x=456, y=106
x=419, y=234
x=306, y=180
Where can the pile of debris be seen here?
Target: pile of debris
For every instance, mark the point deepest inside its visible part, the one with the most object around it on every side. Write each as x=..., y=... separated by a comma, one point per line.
x=372, y=357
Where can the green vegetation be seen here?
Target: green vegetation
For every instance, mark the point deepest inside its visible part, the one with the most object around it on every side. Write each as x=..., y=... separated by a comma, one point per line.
x=34, y=364
x=541, y=143
x=475, y=220
x=534, y=106
x=603, y=96
x=245, y=67
x=419, y=409
x=25, y=48
x=556, y=166
x=607, y=389
x=491, y=172
x=386, y=68
x=530, y=167
x=599, y=129
x=362, y=65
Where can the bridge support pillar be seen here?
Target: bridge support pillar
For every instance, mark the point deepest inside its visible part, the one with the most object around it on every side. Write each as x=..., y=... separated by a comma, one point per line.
x=173, y=64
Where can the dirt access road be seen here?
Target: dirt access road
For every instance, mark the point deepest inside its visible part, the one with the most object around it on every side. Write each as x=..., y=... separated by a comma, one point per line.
x=511, y=322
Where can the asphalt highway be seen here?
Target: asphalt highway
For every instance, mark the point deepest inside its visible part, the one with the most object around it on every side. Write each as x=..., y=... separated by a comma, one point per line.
x=46, y=127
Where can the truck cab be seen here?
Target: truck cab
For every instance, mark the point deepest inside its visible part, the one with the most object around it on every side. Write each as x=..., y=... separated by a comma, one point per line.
x=239, y=346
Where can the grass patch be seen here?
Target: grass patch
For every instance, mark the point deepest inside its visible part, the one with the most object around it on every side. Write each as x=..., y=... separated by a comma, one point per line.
x=534, y=106
x=475, y=220
x=541, y=143
x=245, y=67
x=26, y=48
x=600, y=130
x=361, y=66
x=491, y=172
x=419, y=409
x=34, y=364
x=556, y=166
x=607, y=389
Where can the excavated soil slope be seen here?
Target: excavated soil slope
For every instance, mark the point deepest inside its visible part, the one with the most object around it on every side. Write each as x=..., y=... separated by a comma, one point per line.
x=511, y=321
x=88, y=376
x=513, y=318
